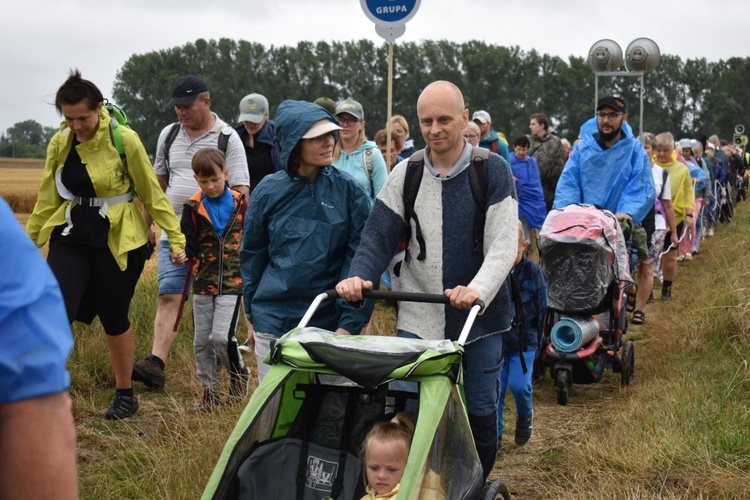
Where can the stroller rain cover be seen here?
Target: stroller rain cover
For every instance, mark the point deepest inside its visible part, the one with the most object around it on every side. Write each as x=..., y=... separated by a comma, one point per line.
x=582, y=250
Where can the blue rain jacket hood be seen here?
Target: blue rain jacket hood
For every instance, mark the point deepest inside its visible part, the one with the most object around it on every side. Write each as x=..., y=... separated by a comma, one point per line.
x=618, y=179
x=300, y=237
x=293, y=120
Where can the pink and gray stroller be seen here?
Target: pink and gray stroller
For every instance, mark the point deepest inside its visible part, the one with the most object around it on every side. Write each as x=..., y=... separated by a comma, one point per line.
x=585, y=256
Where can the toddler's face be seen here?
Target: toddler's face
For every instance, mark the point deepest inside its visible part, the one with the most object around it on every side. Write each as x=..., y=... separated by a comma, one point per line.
x=384, y=467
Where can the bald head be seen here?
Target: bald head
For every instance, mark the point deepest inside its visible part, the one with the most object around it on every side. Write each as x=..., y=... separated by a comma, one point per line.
x=444, y=91
x=442, y=119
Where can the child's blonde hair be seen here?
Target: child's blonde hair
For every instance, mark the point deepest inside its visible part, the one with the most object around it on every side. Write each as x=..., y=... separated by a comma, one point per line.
x=206, y=161
x=397, y=433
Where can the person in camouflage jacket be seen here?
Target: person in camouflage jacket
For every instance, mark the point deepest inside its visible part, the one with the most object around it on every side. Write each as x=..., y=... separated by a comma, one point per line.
x=212, y=221
x=549, y=154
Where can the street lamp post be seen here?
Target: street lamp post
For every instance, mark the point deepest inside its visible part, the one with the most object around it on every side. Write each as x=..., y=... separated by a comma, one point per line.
x=641, y=56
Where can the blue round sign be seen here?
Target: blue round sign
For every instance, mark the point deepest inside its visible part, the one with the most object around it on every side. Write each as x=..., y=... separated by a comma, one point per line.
x=390, y=12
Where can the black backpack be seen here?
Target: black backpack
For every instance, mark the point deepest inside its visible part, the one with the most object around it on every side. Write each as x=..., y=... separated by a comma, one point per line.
x=226, y=132
x=477, y=180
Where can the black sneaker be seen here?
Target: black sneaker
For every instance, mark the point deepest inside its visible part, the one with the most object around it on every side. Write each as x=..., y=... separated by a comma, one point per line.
x=238, y=383
x=523, y=430
x=666, y=293
x=149, y=371
x=122, y=407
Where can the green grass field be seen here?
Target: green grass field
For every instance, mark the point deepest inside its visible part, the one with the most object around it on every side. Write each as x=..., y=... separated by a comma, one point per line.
x=682, y=430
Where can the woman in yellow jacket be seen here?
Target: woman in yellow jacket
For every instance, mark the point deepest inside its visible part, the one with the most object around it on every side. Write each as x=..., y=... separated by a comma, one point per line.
x=98, y=238
x=683, y=201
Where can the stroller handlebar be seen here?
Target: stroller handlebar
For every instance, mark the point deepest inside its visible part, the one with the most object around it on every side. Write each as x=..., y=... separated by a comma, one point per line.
x=432, y=298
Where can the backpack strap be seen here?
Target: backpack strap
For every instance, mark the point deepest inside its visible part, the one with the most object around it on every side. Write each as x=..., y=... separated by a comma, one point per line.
x=368, y=161
x=171, y=136
x=478, y=182
x=224, y=136
x=412, y=181
x=115, y=135
x=519, y=319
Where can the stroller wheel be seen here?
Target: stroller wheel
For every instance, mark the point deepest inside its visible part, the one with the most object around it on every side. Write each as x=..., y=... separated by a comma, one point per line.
x=562, y=381
x=628, y=363
x=494, y=490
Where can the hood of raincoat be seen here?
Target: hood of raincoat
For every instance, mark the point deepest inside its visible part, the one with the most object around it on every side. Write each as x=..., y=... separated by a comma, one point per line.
x=619, y=179
x=293, y=119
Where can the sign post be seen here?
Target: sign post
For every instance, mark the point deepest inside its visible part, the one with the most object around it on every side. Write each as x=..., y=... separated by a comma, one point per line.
x=390, y=17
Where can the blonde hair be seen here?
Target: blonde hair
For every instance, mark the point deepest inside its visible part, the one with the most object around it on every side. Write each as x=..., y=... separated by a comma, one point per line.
x=361, y=139
x=396, y=433
x=473, y=127
x=401, y=121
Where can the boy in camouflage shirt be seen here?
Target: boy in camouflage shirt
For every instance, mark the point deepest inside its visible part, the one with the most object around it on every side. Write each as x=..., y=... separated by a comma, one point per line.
x=212, y=221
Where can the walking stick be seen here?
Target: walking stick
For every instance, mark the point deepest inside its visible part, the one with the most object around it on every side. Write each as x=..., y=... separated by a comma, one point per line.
x=183, y=298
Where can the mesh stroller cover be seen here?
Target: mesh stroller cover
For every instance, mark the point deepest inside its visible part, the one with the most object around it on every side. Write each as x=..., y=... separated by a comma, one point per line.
x=582, y=250
x=300, y=433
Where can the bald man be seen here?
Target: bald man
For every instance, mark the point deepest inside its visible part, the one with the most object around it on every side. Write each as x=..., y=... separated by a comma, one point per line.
x=448, y=260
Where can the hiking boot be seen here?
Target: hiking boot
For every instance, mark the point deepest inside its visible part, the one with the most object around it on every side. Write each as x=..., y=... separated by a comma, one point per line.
x=210, y=401
x=238, y=383
x=666, y=293
x=122, y=407
x=523, y=429
x=149, y=371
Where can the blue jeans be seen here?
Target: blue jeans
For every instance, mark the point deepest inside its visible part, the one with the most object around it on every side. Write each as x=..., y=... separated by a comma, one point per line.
x=512, y=377
x=171, y=278
x=481, y=373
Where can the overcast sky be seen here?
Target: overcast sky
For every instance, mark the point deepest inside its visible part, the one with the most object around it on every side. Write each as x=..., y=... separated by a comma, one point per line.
x=42, y=39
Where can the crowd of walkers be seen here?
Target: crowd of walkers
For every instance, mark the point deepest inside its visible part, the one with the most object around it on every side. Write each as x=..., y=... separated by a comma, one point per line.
x=262, y=217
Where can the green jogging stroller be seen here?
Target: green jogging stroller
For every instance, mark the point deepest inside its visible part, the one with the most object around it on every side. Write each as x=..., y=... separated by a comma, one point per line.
x=300, y=434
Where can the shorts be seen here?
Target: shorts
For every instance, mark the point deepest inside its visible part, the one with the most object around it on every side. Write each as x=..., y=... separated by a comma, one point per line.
x=656, y=247
x=171, y=278
x=92, y=283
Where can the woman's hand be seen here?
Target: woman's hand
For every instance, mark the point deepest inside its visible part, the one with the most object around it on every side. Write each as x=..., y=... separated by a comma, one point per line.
x=178, y=258
x=350, y=289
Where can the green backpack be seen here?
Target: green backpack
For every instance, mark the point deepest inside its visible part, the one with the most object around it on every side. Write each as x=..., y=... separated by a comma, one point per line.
x=119, y=120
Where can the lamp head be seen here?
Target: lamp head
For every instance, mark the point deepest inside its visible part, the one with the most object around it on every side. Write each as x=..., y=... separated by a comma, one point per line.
x=605, y=55
x=642, y=55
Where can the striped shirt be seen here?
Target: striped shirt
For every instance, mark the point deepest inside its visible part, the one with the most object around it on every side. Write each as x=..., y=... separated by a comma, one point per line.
x=182, y=184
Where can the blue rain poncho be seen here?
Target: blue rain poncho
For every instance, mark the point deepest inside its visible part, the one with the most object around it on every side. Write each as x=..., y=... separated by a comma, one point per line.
x=617, y=179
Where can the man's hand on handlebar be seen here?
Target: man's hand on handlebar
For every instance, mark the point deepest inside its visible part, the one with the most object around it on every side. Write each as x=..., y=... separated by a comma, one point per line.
x=462, y=297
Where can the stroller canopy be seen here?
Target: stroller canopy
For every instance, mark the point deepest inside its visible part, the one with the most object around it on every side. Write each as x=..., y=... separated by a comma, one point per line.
x=582, y=251
x=367, y=360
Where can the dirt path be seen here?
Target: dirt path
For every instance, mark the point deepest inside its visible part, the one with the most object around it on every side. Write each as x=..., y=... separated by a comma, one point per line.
x=556, y=426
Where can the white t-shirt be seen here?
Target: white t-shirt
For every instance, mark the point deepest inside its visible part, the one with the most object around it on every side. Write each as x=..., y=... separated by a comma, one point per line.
x=666, y=194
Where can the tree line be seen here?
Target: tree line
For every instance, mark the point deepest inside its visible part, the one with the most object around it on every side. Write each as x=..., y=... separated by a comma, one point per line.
x=689, y=98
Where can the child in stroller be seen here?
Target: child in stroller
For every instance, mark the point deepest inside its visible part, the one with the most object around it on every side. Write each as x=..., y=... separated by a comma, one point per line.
x=300, y=434
x=586, y=259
